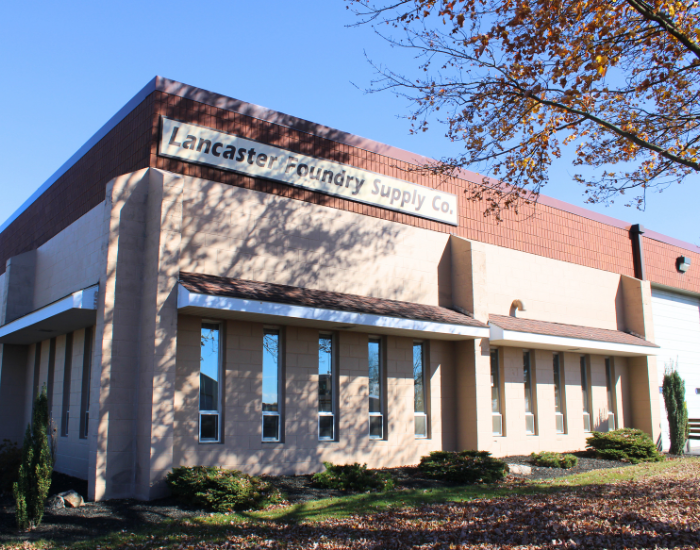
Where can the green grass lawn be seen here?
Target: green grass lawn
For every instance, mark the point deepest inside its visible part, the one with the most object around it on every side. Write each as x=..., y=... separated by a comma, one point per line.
x=215, y=527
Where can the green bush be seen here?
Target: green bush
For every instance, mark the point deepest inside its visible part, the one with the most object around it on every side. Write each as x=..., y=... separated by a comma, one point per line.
x=554, y=460
x=10, y=459
x=353, y=477
x=34, y=476
x=219, y=489
x=627, y=445
x=463, y=467
x=676, y=410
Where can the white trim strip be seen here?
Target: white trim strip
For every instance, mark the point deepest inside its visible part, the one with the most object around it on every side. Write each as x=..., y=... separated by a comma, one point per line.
x=185, y=298
x=500, y=336
x=82, y=299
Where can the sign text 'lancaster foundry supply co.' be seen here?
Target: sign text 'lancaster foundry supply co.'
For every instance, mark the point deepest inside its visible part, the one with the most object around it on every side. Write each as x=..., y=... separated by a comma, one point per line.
x=206, y=146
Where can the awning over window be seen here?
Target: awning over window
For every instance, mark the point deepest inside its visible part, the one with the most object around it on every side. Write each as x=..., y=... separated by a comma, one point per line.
x=528, y=333
x=219, y=297
x=76, y=311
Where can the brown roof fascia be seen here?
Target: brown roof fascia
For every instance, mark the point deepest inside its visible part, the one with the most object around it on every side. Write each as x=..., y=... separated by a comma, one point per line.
x=212, y=285
x=518, y=324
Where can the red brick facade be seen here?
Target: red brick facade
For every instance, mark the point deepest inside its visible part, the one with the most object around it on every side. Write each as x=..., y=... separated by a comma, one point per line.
x=660, y=261
x=82, y=186
x=132, y=144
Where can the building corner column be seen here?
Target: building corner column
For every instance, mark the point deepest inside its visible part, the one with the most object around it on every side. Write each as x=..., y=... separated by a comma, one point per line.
x=643, y=371
x=472, y=362
x=133, y=374
x=156, y=406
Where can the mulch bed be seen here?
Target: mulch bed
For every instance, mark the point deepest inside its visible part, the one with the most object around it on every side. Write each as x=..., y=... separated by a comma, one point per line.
x=99, y=518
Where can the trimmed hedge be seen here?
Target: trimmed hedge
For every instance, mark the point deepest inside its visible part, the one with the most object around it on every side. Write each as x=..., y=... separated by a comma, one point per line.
x=627, y=445
x=463, y=467
x=353, y=477
x=554, y=460
x=219, y=489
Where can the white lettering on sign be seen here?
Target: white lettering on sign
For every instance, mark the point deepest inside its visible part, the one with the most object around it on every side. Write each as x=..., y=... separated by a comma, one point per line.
x=202, y=145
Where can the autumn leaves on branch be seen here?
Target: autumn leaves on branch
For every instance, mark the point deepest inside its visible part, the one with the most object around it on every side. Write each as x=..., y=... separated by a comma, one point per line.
x=515, y=81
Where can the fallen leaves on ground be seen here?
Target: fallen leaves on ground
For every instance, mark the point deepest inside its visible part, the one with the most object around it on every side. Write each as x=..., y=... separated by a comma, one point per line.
x=658, y=512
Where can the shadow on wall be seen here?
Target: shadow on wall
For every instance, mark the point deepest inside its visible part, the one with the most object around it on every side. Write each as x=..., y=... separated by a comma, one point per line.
x=234, y=233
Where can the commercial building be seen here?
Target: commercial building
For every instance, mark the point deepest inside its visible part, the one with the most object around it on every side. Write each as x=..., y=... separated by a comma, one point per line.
x=210, y=282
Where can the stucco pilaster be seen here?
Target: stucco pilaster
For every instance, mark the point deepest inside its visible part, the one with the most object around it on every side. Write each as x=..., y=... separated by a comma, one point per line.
x=131, y=440
x=473, y=367
x=643, y=388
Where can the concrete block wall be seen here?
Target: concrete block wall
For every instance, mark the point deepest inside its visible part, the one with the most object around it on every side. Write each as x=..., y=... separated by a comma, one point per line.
x=72, y=450
x=301, y=451
x=70, y=261
x=553, y=290
x=515, y=440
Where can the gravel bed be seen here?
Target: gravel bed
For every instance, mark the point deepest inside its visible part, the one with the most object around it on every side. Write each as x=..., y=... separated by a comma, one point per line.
x=98, y=518
x=585, y=464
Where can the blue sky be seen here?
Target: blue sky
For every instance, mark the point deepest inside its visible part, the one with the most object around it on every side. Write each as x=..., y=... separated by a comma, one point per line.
x=68, y=67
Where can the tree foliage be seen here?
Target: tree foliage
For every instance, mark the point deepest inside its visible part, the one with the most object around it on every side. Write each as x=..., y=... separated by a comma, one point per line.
x=515, y=80
x=34, y=479
x=676, y=409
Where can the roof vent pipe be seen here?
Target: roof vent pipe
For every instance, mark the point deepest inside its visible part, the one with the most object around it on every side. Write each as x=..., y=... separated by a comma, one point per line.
x=516, y=306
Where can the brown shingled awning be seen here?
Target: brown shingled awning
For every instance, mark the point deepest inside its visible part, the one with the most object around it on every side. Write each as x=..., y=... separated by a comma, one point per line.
x=208, y=295
x=530, y=333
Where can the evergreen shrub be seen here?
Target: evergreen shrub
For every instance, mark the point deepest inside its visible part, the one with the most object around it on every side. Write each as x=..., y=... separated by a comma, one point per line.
x=219, y=489
x=627, y=445
x=34, y=476
x=554, y=460
x=353, y=477
x=676, y=410
x=463, y=467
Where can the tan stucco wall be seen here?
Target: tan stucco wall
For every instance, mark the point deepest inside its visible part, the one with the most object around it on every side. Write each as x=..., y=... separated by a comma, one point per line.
x=515, y=440
x=70, y=261
x=552, y=290
x=72, y=451
x=234, y=232
x=301, y=451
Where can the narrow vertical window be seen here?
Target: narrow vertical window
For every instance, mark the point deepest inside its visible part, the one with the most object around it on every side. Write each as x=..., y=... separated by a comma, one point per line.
x=558, y=395
x=610, y=384
x=529, y=405
x=50, y=375
x=85, y=385
x=209, y=383
x=376, y=390
x=496, y=416
x=271, y=406
x=586, y=394
x=326, y=418
x=419, y=395
x=67, y=368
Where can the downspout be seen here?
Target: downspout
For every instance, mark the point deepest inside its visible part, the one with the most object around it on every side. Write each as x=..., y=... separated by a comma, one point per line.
x=636, y=232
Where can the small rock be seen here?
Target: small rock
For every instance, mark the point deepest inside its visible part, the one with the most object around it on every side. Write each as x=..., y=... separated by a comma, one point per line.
x=520, y=469
x=55, y=503
x=72, y=499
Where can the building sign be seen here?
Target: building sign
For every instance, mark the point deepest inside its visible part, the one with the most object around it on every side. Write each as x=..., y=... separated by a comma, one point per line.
x=202, y=145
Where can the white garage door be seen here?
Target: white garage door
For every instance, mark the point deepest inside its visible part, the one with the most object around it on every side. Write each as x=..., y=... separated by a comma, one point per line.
x=677, y=331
